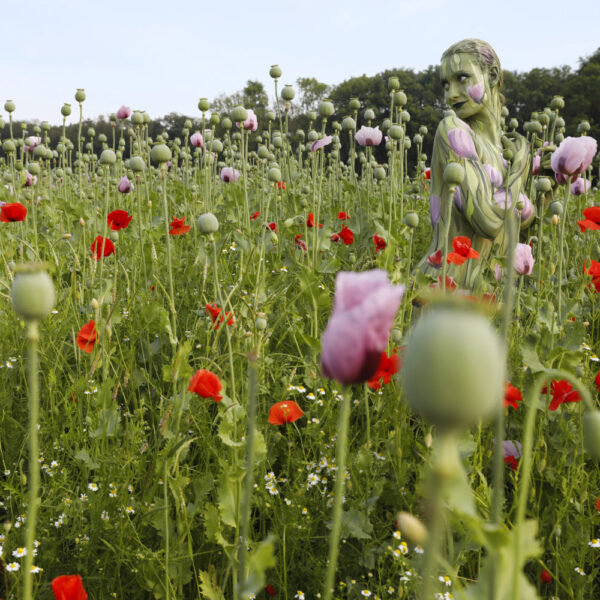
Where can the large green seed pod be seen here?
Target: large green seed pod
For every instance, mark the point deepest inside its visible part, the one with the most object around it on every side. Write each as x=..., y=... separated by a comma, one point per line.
x=453, y=368
x=32, y=295
x=208, y=223
x=160, y=153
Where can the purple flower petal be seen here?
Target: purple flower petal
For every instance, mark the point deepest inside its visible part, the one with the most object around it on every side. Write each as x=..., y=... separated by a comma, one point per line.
x=435, y=208
x=462, y=143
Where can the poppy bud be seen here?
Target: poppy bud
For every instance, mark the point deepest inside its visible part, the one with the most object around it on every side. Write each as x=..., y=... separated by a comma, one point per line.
x=396, y=335
x=543, y=185
x=453, y=368
x=203, y=104
x=114, y=236
x=520, y=205
x=400, y=99
x=65, y=111
x=454, y=173
x=289, y=222
x=32, y=295
x=160, y=153
x=261, y=323
x=411, y=220
x=208, y=223
x=591, y=433
x=507, y=153
x=412, y=527
x=554, y=221
x=556, y=208
x=325, y=108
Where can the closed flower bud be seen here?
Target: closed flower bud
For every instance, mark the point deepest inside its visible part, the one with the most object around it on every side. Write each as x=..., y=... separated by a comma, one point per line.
x=261, y=323
x=591, y=433
x=507, y=153
x=412, y=528
x=82, y=222
x=160, y=154
x=453, y=368
x=555, y=220
x=114, y=236
x=208, y=223
x=32, y=295
x=543, y=185
x=454, y=173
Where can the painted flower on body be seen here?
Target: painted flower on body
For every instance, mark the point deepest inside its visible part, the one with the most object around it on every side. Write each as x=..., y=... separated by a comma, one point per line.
x=12, y=212
x=87, y=337
x=206, y=384
x=364, y=308
x=462, y=250
x=284, y=412
x=118, y=219
x=476, y=92
x=368, y=136
x=178, y=226
x=102, y=247
x=462, y=143
x=69, y=587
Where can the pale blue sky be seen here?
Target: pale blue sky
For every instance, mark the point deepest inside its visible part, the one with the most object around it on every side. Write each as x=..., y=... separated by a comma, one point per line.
x=163, y=56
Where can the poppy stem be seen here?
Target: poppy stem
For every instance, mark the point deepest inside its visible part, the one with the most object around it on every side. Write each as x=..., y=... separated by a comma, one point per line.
x=447, y=216
x=561, y=241
x=338, y=499
x=249, y=479
x=34, y=465
x=163, y=175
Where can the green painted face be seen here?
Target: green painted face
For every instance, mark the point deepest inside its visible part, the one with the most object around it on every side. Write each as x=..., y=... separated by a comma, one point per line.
x=465, y=84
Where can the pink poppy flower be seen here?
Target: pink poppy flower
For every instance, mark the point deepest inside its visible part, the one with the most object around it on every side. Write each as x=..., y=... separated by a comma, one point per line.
x=125, y=186
x=229, y=174
x=251, y=122
x=580, y=186
x=124, y=112
x=324, y=141
x=196, y=140
x=574, y=155
x=368, y=136
x=523, y=261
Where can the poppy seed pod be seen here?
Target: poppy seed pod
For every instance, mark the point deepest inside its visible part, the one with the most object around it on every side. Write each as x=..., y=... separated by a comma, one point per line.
x=583, y=127
x=379, y=173
x=405, y=116
x=216, y=146
x=65, y=111
x=348, y=124
x=208, y=223
x=513, y=123
x=543, y=185
x=226, y=123
x=9, y=106
x=80, y=95
x=400, y=99
x=393, y=84
x=215, y=119
x=137, y=164
x=326, y=108
x=239, y=114
x=454, y=173
x=557, y=103
x=591, y=433
x=9, y=146
x=423, y=130
x=203, y=104
x=396, y=132
x=453, y=368
x=417, y=139
x=543, y=118
x=108, y=157
x=288, y=93
x=137, y=118
x=556, y=208
x=411, y=220
x=32, y=295
x=160, y=154
x=354, y=104
x=275, y=71
x=274, y=174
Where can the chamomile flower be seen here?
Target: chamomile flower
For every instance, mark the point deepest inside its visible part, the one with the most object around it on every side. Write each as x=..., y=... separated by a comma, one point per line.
x=579, y=570
x=93, y=487
x=19, y=552
x=299, y=595
x=13, y=567
x=595, y=543
x=445, y=580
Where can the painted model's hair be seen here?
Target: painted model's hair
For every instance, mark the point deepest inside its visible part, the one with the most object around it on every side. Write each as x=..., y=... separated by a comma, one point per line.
x=482, y=51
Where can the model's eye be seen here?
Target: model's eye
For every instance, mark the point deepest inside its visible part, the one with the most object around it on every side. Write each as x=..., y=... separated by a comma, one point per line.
x=463, y=78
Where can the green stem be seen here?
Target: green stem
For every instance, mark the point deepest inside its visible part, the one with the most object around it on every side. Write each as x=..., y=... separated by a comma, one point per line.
x=340, y=480
x=448, y=216
x=561, y=241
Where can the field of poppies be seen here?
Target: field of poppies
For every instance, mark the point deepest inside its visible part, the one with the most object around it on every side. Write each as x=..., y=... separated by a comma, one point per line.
x=221, y=375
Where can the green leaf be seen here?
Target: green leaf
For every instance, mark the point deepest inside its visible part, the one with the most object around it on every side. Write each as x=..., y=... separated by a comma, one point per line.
x=355, y=524
x=260, y=559
x=85, y=457
x=208, y=585
x=530, y=355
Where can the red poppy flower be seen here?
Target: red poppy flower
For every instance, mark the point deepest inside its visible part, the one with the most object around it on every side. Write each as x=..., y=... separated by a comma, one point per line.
x=388, y=366
x=69, y=587
x=342, y=216
x=87, y=337
x=255, y=215
x=450, y=283
x=310, y=222
x=102, y=247
x=206, y=384
x=345, y=235
x=118, y=219
x=597, y=381
x=272, y=226
x=300, y=242
x=12, y=212
x=511, y=396
x=281, y=185
x=592, y=219
x=545, y=577
x=594, y=271
x=427, y=173
x=435, y=259
x=597, y=504
x=562, y=392
x=178, y=227
x=512, y=462
x=379, y=242
x=284, y=412
x=462, y=250
x=270, y=590
x=215, y=313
